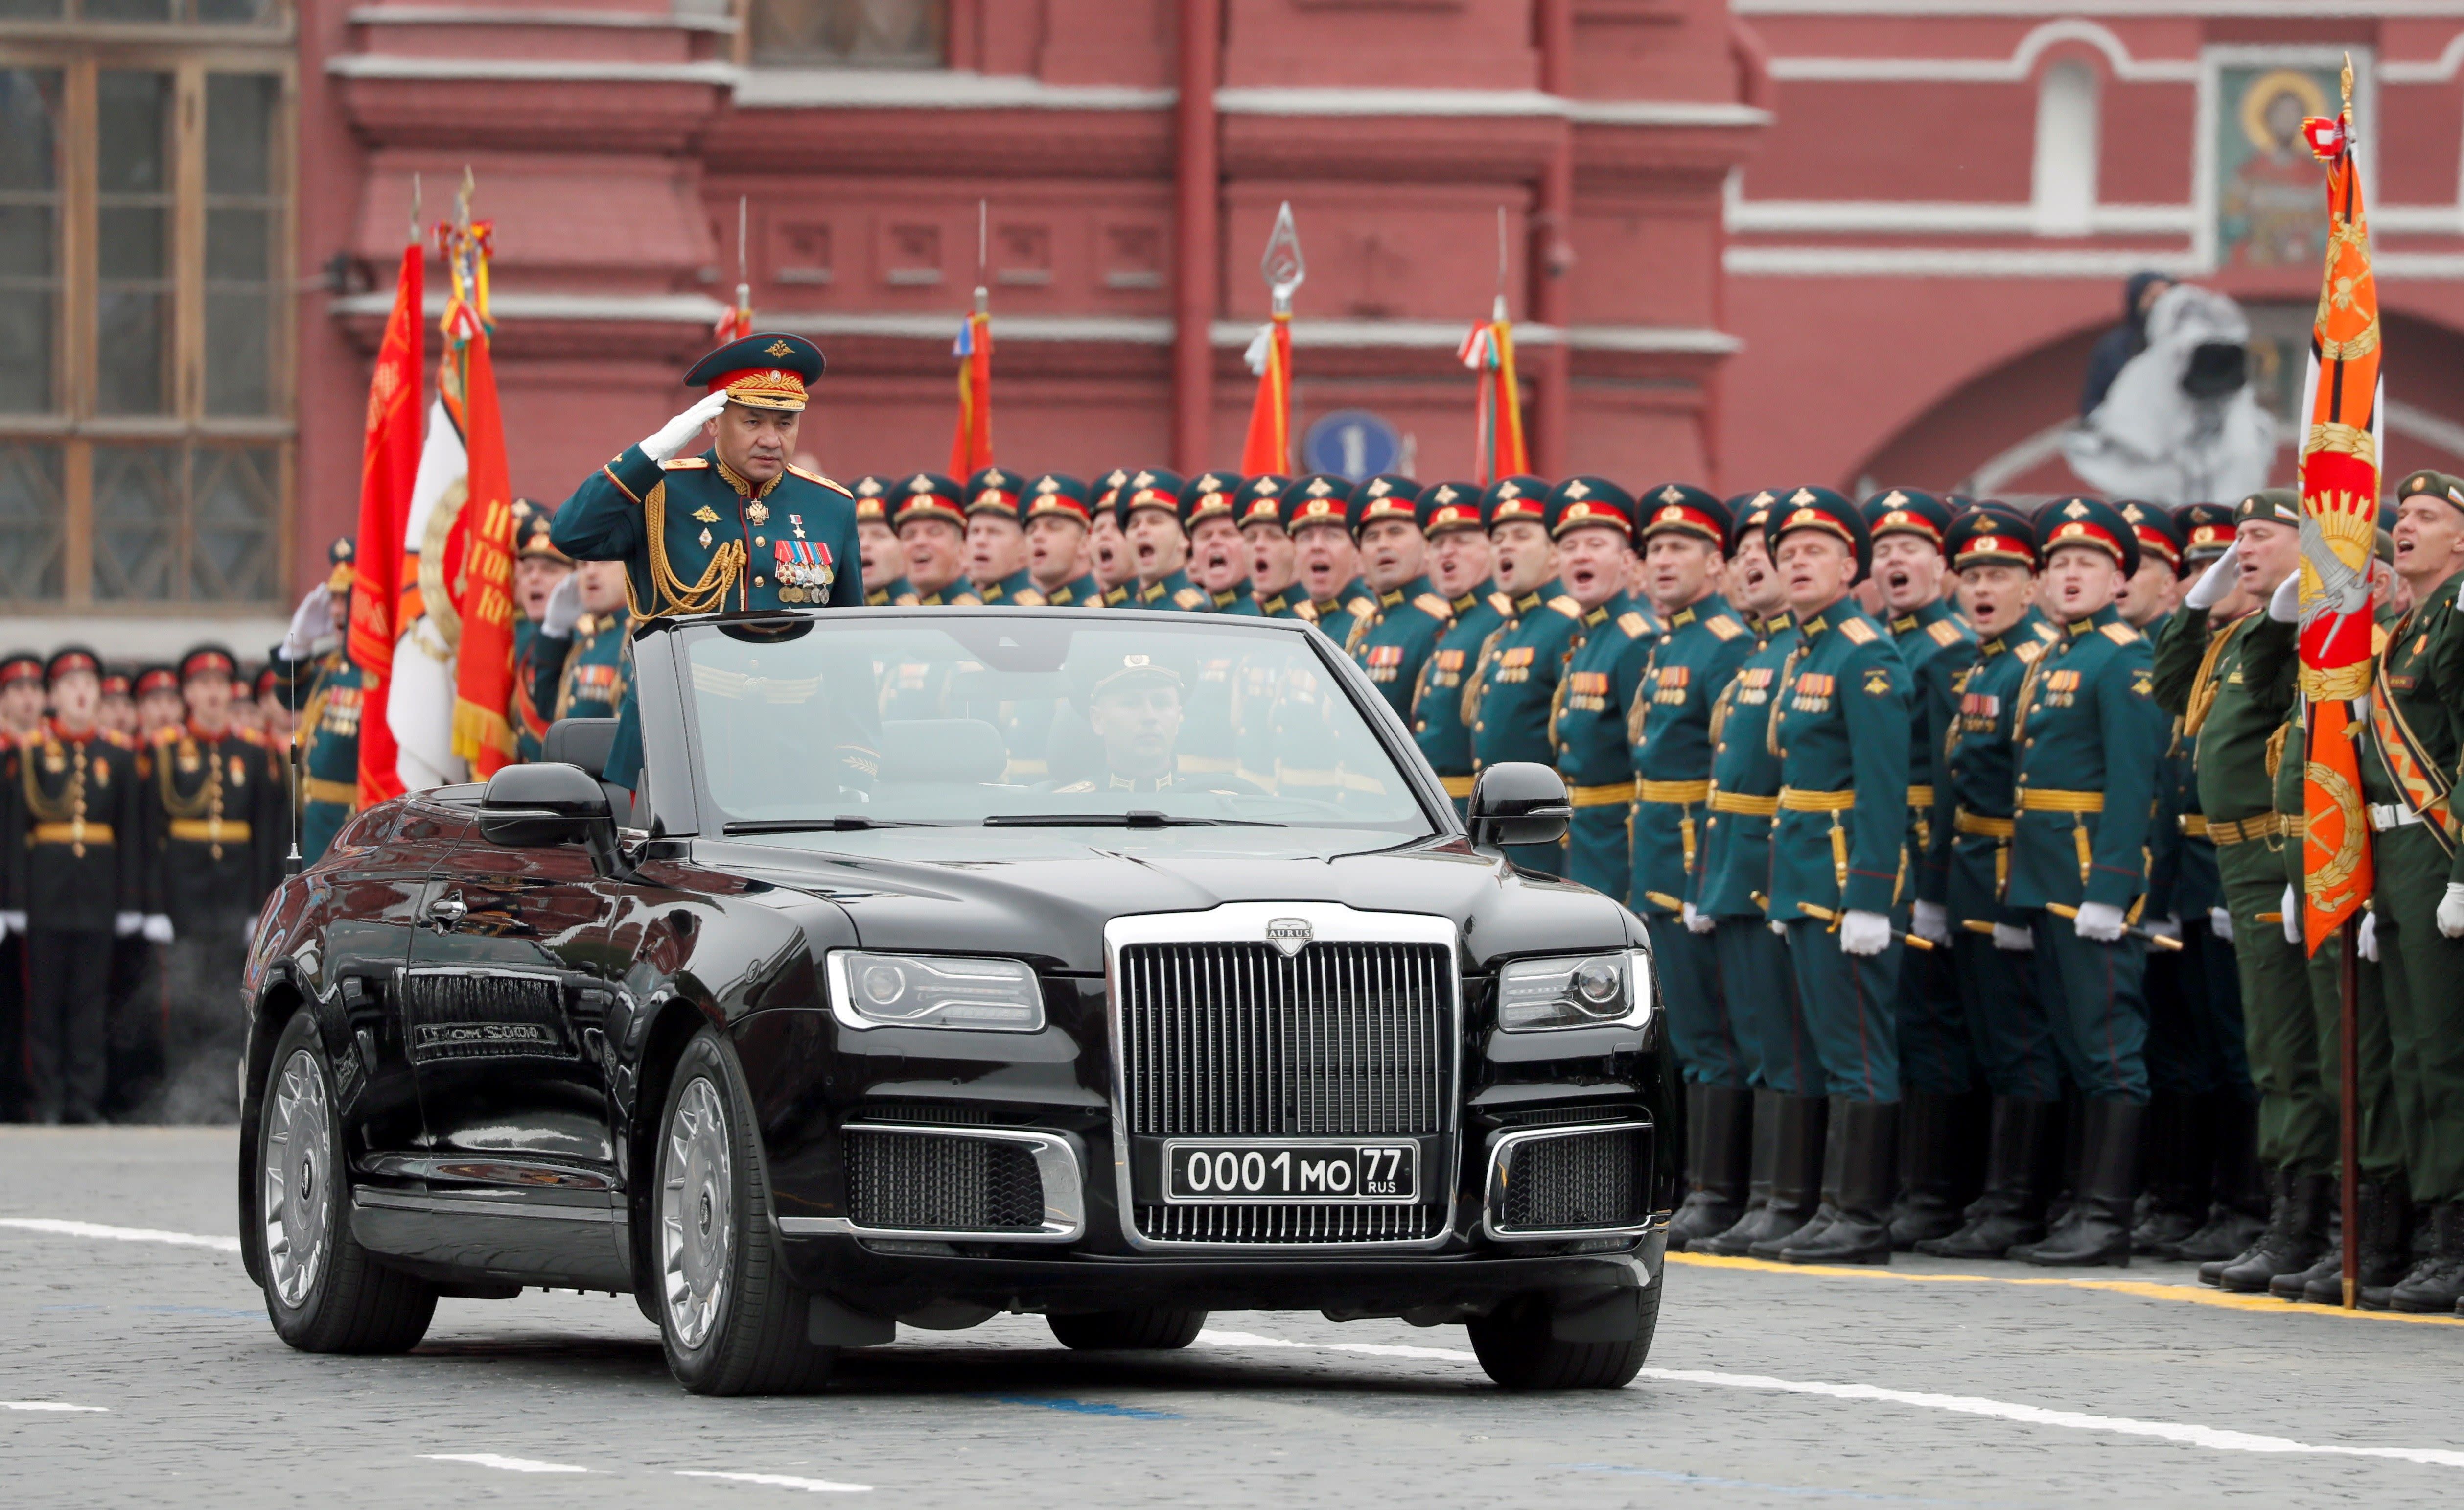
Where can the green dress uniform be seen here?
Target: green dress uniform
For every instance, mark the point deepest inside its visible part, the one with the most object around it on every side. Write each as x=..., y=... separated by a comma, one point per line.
x=1511, y=691
x=695, y=538
x=992, y=491
x=1086, y=592
x=534, y=530
x=1238, y=600
x=587, y=673
x=1018, y=590
x=1394, y=640
x=1175, y=594
x=1437, y=722
x=329, y=693
x=1588, y=727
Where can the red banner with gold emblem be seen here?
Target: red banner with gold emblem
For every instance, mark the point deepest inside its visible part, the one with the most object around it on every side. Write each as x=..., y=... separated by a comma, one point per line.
x=389, y=466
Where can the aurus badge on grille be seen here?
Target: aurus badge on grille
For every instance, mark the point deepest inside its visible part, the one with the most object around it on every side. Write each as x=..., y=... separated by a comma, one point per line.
x=1290, y=935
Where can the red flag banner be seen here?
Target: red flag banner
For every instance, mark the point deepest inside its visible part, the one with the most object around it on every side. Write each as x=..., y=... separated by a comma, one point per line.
x=389, y=465
x=2340, y=505
x=971, y=448
x=483, y=675
x=1496, y=441
x=1269, y=446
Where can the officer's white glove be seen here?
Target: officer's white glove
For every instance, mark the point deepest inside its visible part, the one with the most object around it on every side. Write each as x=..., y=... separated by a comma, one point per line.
x=125, y=923
x=2450, y=912
x=2011, y=937
x=1779, y=927
x=2100, y=921
x=310, y=622
x=563, y=607
x=2220, y=922
x=2216, y=583
x=1863, y=932
x=2284, y=605
x=11, y=922
x=1931, y=920
x=2292, y=916
x=158, y=928
x=2368, y=940
x=1695, y=921
x=673, y=435
x=2164, y=927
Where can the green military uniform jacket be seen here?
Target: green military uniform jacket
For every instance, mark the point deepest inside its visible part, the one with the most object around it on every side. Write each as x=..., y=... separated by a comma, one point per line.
x=1972, y=825
x=1514, y=686
x=1239, y=600
x=1938, y=646
x=586, y=674
x=325, y=693
x=957, y=594
x=1346, y=615
x=894, y=591
x=2231, y=690
x=1288, y=604
x=2416, y=734
x=1084, y=594
x=1735, y=861
x=1018, y=590
x=1174, y=594
x=1438, y=722
x=1395, y=640
x=1668, y=738
x=530, y=718
x=2090, y=734
x=1841, y=731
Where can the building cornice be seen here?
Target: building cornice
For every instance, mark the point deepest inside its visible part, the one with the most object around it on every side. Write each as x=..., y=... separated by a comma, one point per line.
x=535, y=15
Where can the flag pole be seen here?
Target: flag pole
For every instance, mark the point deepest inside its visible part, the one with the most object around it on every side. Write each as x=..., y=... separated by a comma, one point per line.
x=2349, y=1130
x=743, y=279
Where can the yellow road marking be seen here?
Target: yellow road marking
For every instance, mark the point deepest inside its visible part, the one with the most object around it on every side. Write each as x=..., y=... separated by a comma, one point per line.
x=2191, y=1294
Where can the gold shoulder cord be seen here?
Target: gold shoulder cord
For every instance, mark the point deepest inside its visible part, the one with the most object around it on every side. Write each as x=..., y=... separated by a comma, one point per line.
x=208, y=797
x=2206, y=683
x=1478, y=681
x=704, y=596
x=72, y=799
x=1778, y=703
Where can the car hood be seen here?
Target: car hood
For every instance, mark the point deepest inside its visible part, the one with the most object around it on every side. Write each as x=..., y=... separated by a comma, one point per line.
x=1044, y=895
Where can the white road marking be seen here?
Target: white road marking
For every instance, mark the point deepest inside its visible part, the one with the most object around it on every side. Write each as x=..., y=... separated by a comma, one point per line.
x=818, y=1486
x=2188, y=1434
x=49, y=1404
x=125, y=1235
x=511, y=1465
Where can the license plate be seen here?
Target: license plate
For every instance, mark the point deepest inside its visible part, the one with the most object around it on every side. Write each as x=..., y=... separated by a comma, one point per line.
x=1296, y=1173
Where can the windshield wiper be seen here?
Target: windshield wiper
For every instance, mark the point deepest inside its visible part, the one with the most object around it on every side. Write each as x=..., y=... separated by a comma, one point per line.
x=843, y=823
x=1137, y=819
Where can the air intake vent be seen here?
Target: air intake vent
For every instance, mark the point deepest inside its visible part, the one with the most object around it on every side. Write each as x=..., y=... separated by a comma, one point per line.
x=1574, y=1181
x=931, y=1183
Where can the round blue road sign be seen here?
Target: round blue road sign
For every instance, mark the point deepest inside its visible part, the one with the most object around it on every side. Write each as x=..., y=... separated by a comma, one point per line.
x=1352, y=443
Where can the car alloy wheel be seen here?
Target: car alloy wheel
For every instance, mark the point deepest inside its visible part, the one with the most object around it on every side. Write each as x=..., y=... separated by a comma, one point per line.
x=696, y=1217
x=299, y=1165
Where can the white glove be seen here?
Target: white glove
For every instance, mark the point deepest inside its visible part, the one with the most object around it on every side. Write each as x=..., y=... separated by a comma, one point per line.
x=675, y=433
x=2292, y=916
x=2013, y=939
x=157, y=929
x=2099, y=921
x=2451, y=911
x=2220, y=922
x=2284, y=605
x=1695, y=921
x=2164, y=927
x=1932, y=921
x=125, y=923
x=11, y=922
x=2216, y=582
x=1779, y=927
x=563, y=607
x=1863, y=932
x=310, y=622
x=2367, y=941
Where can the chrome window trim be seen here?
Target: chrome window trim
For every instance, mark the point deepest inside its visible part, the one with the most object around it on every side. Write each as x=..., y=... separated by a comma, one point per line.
x=1056, y=1164
x=1246, y=922
x=1494, y=1185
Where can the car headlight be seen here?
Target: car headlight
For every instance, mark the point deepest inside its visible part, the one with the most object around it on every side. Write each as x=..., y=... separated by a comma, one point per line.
x=1611, y=988
x=934, y=991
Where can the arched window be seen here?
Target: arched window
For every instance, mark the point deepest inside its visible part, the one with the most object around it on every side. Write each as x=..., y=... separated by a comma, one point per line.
x=2066, y=150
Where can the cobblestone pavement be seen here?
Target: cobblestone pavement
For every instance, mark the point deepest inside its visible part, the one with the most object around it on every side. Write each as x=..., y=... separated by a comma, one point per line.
x=1905, y=1385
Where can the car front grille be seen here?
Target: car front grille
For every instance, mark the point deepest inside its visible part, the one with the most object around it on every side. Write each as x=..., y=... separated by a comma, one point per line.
x=937, y=1183
x=1575, y=1182
x=1270, y=1224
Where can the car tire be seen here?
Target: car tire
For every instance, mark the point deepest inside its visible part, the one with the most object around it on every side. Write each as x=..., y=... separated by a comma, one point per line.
x=324, y=1293
x=1517, y=1350
x=1158, y=1329
x=729, y=1319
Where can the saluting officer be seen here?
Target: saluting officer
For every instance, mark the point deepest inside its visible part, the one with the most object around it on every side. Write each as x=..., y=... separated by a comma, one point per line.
x=1316, y=513
x=1219, y=558
x=2089, y=736
x=1758, y=985
x=1839, y=865
x=883, y=558
x=1514, y=684
x=538, y=567
x=1058, y=513
x=1459, y=567
x=326, y=688
x=1403, y=626
x=997, y=541
x=1994, y=552
x=1591, y=519
x=1274, y=561
x=735, y=527
x=1692, y=659
x=72, y=851
x=1938, y=1115
x=1149, y=506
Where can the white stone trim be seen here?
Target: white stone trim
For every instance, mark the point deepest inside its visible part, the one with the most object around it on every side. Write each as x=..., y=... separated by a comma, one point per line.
x=930, y=89
x=675, y=309
x=524, y=15
x=1665, y=113
x=2014, y=69
x=551, y=69
x=1459, y=102
x=1917, y=263
x=2424, y=71
x=1912, y=216
x=1121, y=330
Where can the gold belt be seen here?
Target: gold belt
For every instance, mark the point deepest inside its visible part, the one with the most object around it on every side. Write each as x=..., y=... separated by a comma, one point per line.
x=1980, y=826
x=1742, y=801
x=1683, y=791
x=70, y=834
x=2194, y=825
x=1457, y=786
x=210, y=831
x=1614, y=794
x=1920, y=796
x=340, y=793
x=2044, y=799
x=1797, y=799
x=2241, y=831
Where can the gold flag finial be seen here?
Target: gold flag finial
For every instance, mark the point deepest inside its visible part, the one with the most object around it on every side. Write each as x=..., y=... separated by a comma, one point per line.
x=2349, y=83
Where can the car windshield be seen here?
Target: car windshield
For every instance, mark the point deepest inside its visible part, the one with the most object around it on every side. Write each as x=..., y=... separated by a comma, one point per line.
x=1048, y=720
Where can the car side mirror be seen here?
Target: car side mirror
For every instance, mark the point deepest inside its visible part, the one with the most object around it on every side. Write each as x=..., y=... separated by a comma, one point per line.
x=549, y=802
x=1519, y=802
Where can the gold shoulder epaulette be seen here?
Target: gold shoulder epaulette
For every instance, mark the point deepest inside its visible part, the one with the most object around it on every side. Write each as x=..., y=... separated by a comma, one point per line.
x=1188, y=598
x=2046, y=634
x=1566, y=604
x=1858, y=630
x=1635, y=625
x=908, y=600
x=1434, y=606
x=1361, y=607
x=2028, y=651
x=1944, y=633
x=1305, y=611
x=2378, y=638
x=164, y=736
x=815, y=477
x=1501, y=604
x=1723, y=627
x=2121, y=634
x=1029, y=598
x=685, y=464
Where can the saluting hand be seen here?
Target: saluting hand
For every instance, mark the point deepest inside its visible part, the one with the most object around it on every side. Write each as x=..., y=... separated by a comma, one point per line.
x=673, y=435
x=2218, y=581
x=563, y=607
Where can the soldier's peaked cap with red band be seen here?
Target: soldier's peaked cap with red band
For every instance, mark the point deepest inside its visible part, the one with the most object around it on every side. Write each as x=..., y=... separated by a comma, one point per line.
x=1262, y=500
x=203, y=661
x=1746, y=514
x=1991, y=534
x=2088, y=522
x=992, y=491
x=767, y=371
x=1210, y=495
x=1589, y=504
x=70, y=659
x=1322, y=498
x=2159, y=532
x=1445, y=507
x=1386, y=495
x=1058, y=493
x=1682, y=508
x=1518, y=496
x=1822, y=510
x=1148, y=487
x=22, y=665
x=1905, y=511
x=927, y=495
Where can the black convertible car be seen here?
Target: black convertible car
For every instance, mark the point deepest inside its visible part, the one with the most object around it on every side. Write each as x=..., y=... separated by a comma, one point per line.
x=1113, y=967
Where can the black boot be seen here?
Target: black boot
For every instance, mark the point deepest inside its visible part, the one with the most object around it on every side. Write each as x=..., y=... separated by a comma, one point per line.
x=1763, y=1163
x=1800, y=1188
x=2238, y=1209
x=1930, y=1156
x=2294, y=1239
x=2385, y=1243
x=2176, y=1148
x=2013, y=1207
x=2436, y=1285
x=1864, y=1169
x=2098, y=1232
x=1718, y=1126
